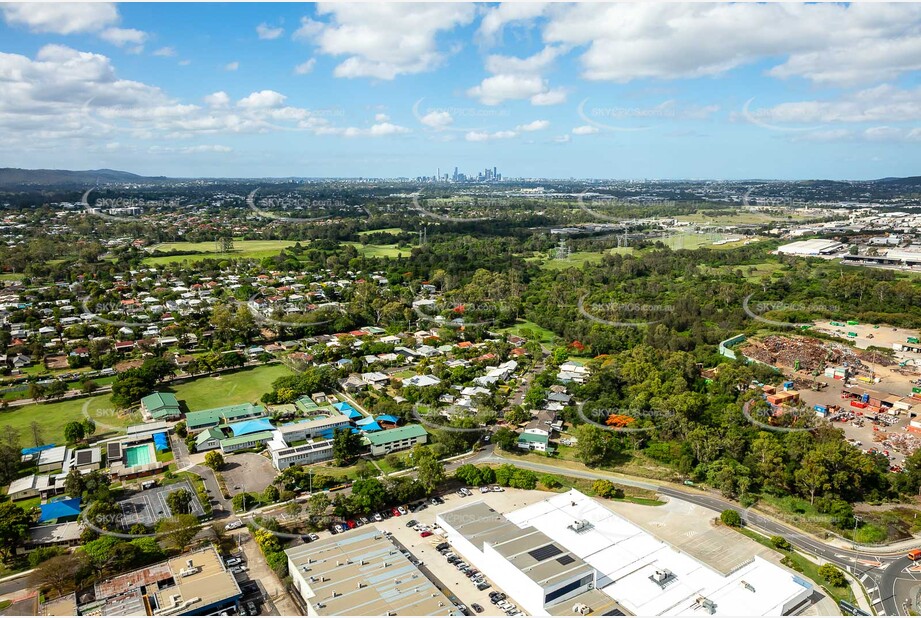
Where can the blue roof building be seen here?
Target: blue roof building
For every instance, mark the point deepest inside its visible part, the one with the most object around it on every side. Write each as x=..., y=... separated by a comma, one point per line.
x=60, y=510
x=252, y=426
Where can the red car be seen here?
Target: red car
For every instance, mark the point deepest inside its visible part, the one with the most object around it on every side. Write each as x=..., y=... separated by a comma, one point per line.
x=396, y=512
x=426, y=533
x=351, y=524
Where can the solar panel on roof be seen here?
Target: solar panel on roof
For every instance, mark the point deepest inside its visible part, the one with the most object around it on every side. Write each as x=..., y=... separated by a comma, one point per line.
x=84, y=457
x=567, y=559
x=543, y=553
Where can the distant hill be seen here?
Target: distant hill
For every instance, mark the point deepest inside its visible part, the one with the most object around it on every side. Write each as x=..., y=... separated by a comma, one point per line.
x=14, y=177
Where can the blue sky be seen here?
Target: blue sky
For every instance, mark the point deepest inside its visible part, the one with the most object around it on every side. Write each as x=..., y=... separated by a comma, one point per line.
x=537, y=90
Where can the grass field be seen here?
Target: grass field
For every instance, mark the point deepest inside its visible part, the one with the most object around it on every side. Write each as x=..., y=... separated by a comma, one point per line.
x=764, y=269
x=246, y=385
x=544, y=335
x=380, y=251
x=386, y=230
x=11, y=276
x=53, y=416
x=256, y=249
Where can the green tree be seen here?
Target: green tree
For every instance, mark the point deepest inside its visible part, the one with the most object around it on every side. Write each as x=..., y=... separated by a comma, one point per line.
x=179, y=502
x=346, y=446
x=595, y=445
x=181, y=430
x=89, y=427
x=74, y=432
x=517, y=415
x=14, y=526
x=505, y=439
x=178, y=531
x=58, y=573
x=832, y=575
x=430, y=471
x=731, y=517
x=214, y=460
x=368, y=495
x=271, y=494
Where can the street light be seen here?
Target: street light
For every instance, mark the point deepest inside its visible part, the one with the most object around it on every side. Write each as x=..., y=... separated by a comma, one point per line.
x=856, y=546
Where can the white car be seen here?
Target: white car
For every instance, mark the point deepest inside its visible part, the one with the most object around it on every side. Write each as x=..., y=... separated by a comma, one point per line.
x=496, y=488
x=378, y=517
x=232, y=562
x=234, y=525
x=402, y=510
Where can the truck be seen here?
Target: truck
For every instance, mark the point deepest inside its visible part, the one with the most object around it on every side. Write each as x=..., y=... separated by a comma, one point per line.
x=914, y=554
x=914, y=340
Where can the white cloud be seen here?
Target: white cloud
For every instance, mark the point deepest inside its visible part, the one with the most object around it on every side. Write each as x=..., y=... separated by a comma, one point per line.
x=483, y=136
x=123, y=36
x=537, y=125
x=554, y=96
x=305, y=67
x=884, y=103
x=497, y=17
x=165, y=52
x=437, y=119
x=387, y=128
x=262, y=100
x=585, y=130
x=562, y=139
x=60, y=17
x=217, y=99
x=519, y=78
x=268, y=33
x=827, y=43
x=871, y=134
x=232, y=66
x=383, y=41
x=498, y=88
x=381, y=118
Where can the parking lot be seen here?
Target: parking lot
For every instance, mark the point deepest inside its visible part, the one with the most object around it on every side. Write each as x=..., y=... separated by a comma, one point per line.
x=250, y=472
x=149, y=506
x=457, y=585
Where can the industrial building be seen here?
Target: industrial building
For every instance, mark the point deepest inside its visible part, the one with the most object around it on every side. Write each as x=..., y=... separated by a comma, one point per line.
x=814, y=247
x=362, y=573
x=192, y=584
x=637, y=572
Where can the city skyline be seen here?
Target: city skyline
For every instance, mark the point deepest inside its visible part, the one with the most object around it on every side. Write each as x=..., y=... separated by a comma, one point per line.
x=537, y=90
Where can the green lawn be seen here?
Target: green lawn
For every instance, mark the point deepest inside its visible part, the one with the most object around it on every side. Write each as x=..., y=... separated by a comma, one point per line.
x=11, y=276
x=246, y=385
x=380, y=251
x=759, y=270
x=256, y=249
x=386, y=230
x=53, y=416
x=242, y=386
x=543, y=335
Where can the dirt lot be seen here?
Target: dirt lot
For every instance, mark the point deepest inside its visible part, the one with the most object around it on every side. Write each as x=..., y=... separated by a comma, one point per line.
x=250, y=472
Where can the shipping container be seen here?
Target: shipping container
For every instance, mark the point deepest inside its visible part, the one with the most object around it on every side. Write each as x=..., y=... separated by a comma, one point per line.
x=913, y=340
x=858, y=404
x=852, y=322
x=787, y=385
x=916, y=389
x=852, y=334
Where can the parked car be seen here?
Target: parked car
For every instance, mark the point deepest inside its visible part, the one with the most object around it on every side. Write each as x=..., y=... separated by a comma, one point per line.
x=411, y=523
x=403, y=510
x=364, y=520
x=395, y=512
x=378, y=517
x=426, y=533
x=477, y=608
x=234, y=525
x=484, y=490
x=233, y=562
x=337, y=528
x=313, y=536
x=496, y=488
x=351, y=524
x=442, y=545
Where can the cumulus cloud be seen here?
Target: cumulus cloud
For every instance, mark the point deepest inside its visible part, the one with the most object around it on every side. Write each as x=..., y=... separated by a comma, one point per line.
x=305, y=67
x=827, y=43
x=496, y=18
x=60, y=17
x=123, y=36
x=884, y=103
x=268, y=33
x=585, y=130
x=262, y=100
x=519, y=78
x=484, y=136
x=218, y=99
x=165, y=52
x=437, y=119
x=382, y=41
x=537, y=125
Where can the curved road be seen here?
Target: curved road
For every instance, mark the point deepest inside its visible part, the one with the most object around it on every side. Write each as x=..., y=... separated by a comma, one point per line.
x=884, y=574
